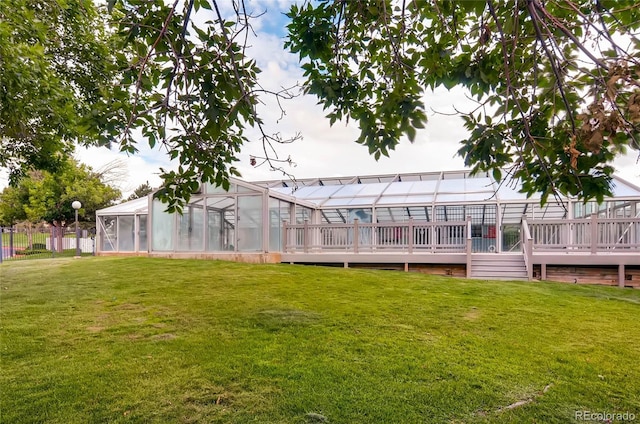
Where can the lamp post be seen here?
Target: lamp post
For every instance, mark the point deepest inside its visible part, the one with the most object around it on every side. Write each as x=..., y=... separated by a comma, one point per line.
x=77, y=205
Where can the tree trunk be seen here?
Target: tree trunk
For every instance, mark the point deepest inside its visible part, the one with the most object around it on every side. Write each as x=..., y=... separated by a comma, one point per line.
x=29, y=230
x=58, y=235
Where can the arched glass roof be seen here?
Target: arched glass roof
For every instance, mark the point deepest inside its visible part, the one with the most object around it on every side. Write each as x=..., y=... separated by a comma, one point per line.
x=449, y=187
x=413, y=191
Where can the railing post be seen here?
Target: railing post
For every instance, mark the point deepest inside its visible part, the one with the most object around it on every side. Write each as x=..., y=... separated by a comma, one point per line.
x=410, y=235
x=526, y=242
x=356, y=235
x=432, y=236
x=11, y=247
x=284, y=236
x=54, y=240
x=305, y=236
x=468, y=246
x=594, y=233
x=1, y=243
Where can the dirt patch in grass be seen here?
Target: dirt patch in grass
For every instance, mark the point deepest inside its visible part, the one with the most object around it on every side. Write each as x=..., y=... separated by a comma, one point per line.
x=165, y=336
x=473, y=314
x=128, y=307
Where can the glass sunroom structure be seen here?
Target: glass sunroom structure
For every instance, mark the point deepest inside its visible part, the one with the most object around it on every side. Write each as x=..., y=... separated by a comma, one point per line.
x=247, y=218
x=123, y=227
x=495, y=210
x=252, y=217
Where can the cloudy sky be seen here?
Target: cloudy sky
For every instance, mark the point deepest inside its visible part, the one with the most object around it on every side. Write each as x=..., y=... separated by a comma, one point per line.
x=323, y=150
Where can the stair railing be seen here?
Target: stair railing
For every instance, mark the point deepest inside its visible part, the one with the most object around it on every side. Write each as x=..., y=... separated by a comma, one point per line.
x=527, y=247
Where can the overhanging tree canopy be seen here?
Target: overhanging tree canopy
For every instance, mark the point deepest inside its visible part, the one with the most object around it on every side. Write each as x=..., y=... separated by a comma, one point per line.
x=556, y=82
x=55, y=65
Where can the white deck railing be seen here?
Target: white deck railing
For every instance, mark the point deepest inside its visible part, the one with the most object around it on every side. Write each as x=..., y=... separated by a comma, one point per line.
x=578, y=235
x=591, y=234
x=367, y=237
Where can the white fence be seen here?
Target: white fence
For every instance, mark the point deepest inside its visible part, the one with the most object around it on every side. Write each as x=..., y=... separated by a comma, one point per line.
x=581, y=235
x=593, y=234
x=357, y=237
x=86, y=244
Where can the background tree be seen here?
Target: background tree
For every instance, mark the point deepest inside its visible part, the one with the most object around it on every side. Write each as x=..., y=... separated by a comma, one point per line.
x=12, y=209
x=12, y=201
x=44, y=196
x=56, y=63
x=141, y=191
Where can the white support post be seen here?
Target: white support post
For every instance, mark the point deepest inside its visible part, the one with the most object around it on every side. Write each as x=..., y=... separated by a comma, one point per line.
x=594, y=233
x=284, y=236
x=410, y=235
x=356, y=235
x=469, y=247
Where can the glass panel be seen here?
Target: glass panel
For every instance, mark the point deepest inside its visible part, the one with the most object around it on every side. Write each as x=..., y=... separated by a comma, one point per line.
x=392, y=214
x=350, y=201
x=242, y=189
x=126, y=234
x=583, y=210
x=550, y=211
x=363, y=215
x=469, y=185
x=283, y=190
x=229, y=229
x=302, y=214
x=142, y=233
x=220, y=223
x=511, y=238
x=278, y=212
x=215, y=232
x=512, y=213
x=191, y=228
x=465, y=197
x=420, y=213
x=108, y=239
x=508, y=192
x=212, y=189
x=450, y=213
x=478, y=184
x=426, y=199
x=622, y=189
x=334, y=216
x=162, y=226
x=411, y=187
x=221, y=203
x=352, y=190
x=250, y=223
x=322, y=192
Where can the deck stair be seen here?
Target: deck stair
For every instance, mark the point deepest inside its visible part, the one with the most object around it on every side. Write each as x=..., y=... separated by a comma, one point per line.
x=498, y=266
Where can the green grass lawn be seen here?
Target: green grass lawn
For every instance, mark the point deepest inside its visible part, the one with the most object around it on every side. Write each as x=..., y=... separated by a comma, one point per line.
x=151, y=340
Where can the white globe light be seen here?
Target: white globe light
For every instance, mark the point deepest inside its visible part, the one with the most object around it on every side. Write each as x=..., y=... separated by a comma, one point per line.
x=76, y=205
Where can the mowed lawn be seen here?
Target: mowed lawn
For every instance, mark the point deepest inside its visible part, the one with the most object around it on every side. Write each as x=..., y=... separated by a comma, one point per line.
x=153, y=340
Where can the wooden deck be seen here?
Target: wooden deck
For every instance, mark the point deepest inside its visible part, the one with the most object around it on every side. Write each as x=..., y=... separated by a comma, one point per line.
x=569, y=250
